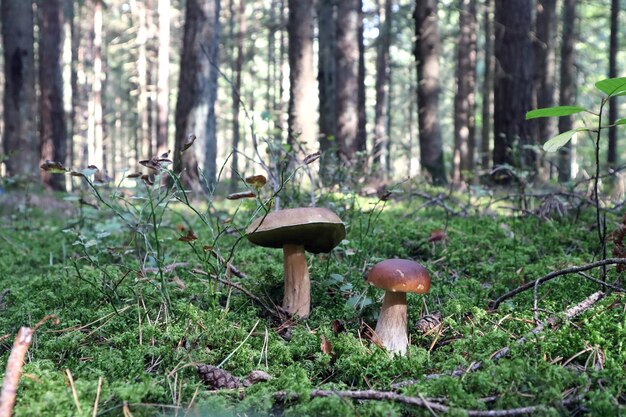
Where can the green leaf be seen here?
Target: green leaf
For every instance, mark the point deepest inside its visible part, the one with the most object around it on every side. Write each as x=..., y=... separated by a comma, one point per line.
x=557, y=142
x=619, y=122
x=554, y=111
x=612, y=86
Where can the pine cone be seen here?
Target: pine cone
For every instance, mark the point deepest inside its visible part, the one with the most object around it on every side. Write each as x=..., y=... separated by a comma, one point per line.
x=429, y=322
x=216, y=378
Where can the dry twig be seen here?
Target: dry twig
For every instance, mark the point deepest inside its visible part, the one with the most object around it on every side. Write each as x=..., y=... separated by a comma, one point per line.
x=14, y=370
x=420, y=402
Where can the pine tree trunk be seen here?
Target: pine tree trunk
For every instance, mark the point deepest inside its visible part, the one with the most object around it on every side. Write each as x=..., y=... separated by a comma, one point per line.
x=141, y=41
x=361, y=135
x=382, y=85
x=487, y=86
x=302, y=101
x=567, y=86
x=20, y=142
x=192, y=106
x=95, y=133
x=53, y=131
x=544, y=46
x=163, y=77
x=347, y=83
x=513, y=87
x=613, y=50
x=235, y=96
x=427, y=58
x=465, y=97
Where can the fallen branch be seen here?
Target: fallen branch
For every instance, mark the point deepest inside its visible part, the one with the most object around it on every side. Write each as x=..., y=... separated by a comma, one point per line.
x=14, y=370
x=14, y=366
x=568, y=314
x=420, y=402
x=574, y=269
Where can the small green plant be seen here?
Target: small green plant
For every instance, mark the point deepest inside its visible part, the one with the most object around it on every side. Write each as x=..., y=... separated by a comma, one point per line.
x=611, y=87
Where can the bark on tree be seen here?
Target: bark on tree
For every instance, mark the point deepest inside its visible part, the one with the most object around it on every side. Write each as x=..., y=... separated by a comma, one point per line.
x=361, y=134
x=302, y=123
x=567, y=86
x=163, y=75
x=52, y=128
x=382, y=86
x=613, y=50
x=194, y=98
x=427, y=58
x=487, y=86
x=347, y=83
x=465, y=97
x=236, y=88
x=545, y=65
x=20, y=142
x=513, y=87
x=95, y=132
x=326, y=78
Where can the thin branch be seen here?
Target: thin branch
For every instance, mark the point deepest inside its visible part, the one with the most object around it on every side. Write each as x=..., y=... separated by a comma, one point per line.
x=574, y=269
x=421, y=402
x=14, y=370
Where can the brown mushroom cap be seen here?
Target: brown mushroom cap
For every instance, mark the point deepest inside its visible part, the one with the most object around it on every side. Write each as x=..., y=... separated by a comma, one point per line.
x=317, y=229
x=400, y=275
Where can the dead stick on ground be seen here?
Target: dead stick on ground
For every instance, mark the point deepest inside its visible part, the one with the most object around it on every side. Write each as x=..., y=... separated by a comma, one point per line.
x=420, y=402
x=569, y=314
x=610, y=261
x=14, y=370
x=14, y=365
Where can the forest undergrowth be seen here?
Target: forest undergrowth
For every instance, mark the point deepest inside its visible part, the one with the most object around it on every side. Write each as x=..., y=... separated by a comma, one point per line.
x=147, y=300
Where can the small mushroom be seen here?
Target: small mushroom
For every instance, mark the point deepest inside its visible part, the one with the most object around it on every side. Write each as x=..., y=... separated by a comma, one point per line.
x=297, y=230
x=397, y=277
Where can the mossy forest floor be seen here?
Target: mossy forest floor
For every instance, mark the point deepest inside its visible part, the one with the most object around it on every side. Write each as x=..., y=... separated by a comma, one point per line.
x=139, y=310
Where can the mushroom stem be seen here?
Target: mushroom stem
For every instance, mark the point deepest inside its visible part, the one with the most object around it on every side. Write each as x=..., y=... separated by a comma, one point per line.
x=391, y=328
x=297, y=297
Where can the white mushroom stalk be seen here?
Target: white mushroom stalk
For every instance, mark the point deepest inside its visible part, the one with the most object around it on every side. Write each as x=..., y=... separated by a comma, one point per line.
x=297, y=297
x=391, y=327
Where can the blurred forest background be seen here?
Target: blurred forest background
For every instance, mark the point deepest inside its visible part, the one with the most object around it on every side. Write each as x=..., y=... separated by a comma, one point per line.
x=384, y=89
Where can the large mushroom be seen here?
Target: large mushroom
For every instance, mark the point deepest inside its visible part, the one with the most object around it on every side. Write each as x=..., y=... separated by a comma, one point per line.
x=397, y=277
x=298, y=230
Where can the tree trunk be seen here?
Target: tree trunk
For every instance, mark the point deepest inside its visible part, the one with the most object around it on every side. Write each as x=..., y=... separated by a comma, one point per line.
x=326, y=78
x=163, y=77
x=192, y=106
x=361, y=134
x=465, y=97
x=95, y=133
x=487, y=86
x=567, y=86
x=545, y=67
x=235, y=94
x=210, y=150
x=140, y=12
x=20, y=142
x=613, y=49
x=302, y=121
x=53, y=131
x=347, y=77
x=513, y=85
x=427, y=57
x=382, y=86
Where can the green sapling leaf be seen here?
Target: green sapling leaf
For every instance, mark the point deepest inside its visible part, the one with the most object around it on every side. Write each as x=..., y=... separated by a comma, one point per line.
x=612, y=86
x=558, y=141
x=554, y=111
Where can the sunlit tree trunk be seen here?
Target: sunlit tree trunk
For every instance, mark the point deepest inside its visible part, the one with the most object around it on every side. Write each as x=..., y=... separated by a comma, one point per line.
x=20, y=142
x=347, y=83
x=141, y=40
x=302, y=101
x=465, y=97
x=567, y=87
x=427, y=58
x=163, y=77
x=236, y=88
x=382, y=86
x=613, y=50
x=52, y=128
x=513, y=87
x=487, y=86
x=194, y=96
x=95, y=133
